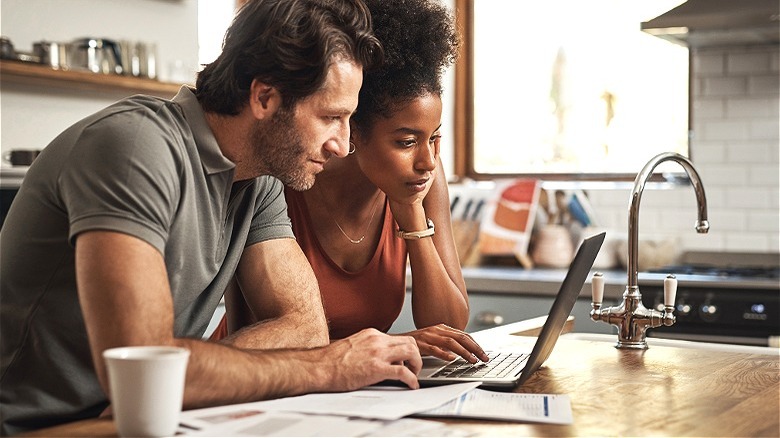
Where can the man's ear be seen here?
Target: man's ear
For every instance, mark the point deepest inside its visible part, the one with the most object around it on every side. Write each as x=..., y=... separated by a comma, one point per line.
x=264, y=99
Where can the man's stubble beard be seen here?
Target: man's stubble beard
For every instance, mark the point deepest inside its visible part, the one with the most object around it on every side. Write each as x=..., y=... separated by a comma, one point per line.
x=280, y=152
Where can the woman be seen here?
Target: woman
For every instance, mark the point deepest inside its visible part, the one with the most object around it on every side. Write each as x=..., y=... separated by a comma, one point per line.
x=388, y=199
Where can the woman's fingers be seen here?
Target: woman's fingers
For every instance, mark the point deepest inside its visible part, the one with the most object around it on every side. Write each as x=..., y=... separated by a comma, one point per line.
x=440, y=339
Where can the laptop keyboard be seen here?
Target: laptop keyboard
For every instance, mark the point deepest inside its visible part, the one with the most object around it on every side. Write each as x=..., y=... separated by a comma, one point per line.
x=500, y=365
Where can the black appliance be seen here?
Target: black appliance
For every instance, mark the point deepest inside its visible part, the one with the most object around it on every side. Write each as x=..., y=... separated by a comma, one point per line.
x=10, y=180
x=727, y=298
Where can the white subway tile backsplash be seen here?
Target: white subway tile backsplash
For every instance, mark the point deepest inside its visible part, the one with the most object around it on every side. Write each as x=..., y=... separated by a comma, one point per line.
x=716, y=196
x=728, y=219
x=659, y=198
x=729, y=86
x=749, y=242
x=764, y=128
x=707, y=152
x=615, y=218
x=723, y=130
x=610, y=198
x=748, y=152
x=747, y=63
x=696, y=87
x=747, y=198
x=764, y=85
x=709, y=64
x=766, y=221
x=686, y=196
x=679, y=220
x=650, y=218
x=725, y=175
x=774, y=198
x=749, y=107
x=774, y=242
x=709, y=108
x=766, y=175
x=713, y=241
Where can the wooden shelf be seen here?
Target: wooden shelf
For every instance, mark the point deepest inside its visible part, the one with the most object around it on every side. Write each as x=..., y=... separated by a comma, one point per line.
x=16, y=72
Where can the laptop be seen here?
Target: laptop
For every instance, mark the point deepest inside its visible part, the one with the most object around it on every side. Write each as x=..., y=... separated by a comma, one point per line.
x=511, y=369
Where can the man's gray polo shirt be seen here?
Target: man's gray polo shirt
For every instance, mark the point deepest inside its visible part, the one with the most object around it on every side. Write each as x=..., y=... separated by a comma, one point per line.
x=147, y=167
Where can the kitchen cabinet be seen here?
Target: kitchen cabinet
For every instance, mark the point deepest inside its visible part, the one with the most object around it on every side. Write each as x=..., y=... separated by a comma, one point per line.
x=35, y=75
x=486, y=307
x=739, y=309
x=514, y=294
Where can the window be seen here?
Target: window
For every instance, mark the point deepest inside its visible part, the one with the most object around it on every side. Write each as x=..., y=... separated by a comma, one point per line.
x=567, y=89
x=214, y=17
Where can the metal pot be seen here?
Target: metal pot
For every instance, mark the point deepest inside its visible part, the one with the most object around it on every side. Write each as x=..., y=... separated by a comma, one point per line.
x=50, y=53
x=139, y=59
x=21, y=157
x=97, y=55
x=7, y=49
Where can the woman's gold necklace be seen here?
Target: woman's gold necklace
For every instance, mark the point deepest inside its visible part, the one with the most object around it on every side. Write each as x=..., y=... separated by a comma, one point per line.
x=365, y=232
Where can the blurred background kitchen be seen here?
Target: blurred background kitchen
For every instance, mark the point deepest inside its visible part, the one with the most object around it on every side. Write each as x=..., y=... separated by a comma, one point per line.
x=574, y=96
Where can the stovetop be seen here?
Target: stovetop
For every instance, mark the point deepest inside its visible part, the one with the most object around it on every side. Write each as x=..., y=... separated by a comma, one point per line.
x=737, y=270
x=721, y=297
x=731, y=272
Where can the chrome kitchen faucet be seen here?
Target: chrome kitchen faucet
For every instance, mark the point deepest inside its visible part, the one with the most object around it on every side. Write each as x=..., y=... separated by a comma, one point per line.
x=631, y=317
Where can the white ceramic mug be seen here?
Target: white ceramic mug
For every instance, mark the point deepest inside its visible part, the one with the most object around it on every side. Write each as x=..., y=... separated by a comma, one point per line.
x=147, y=388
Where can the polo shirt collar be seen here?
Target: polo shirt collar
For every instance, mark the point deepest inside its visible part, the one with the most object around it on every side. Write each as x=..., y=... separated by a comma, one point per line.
x=208, y=148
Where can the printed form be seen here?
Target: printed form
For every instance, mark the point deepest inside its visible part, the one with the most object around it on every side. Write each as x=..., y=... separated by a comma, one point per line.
x=375, y=411
x=479, y=403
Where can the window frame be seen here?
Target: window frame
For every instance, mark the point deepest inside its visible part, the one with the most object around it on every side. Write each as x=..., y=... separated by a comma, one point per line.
x=463, y=154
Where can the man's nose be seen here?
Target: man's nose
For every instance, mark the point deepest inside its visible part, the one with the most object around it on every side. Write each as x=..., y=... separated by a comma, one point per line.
x=338, y=148
x=339, y=145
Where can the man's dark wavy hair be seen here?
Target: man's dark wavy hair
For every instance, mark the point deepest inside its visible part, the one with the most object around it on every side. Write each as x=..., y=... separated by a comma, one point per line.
x=288, y=44
x=420, y=41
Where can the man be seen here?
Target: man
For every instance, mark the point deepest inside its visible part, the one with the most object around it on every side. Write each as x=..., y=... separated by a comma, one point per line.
x=131, y=224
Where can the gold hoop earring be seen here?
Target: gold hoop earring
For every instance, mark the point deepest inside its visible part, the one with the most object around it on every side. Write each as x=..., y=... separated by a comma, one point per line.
x=352, y=148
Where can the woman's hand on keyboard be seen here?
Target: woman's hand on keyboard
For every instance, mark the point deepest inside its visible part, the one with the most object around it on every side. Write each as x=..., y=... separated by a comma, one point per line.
x=447, y=343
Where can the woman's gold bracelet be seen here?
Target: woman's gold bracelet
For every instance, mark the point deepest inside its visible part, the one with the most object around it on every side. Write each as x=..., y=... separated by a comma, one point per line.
x=413, y=235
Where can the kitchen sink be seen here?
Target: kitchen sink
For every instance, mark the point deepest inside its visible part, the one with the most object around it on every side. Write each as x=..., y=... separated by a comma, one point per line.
x=726, y=348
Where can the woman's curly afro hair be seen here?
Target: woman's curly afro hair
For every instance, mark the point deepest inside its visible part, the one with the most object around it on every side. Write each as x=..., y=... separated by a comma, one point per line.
x=420, y=41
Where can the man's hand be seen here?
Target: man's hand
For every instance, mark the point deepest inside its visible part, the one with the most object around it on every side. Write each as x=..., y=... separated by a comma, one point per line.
x=369, y=357
x=445, y=342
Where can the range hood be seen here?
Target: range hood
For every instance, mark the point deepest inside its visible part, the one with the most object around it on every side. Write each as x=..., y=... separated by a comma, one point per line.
x=707, y=23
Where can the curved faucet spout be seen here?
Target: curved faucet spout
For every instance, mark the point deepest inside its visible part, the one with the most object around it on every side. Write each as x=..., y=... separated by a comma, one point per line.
x=702, y=225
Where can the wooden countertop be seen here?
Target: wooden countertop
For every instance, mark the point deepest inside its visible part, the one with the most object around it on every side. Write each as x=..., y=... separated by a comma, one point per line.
x=666, y=391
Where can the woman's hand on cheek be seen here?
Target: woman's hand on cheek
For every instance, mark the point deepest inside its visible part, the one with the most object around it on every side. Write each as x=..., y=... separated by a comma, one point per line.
x=408, y=211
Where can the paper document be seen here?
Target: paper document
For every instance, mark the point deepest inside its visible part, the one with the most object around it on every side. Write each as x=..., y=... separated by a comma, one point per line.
x=377, y=402
x=478, y=403
x=256, y=423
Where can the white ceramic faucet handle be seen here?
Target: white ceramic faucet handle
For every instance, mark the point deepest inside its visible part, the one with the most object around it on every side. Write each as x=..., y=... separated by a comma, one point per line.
x=670, y=290
x=597, y=286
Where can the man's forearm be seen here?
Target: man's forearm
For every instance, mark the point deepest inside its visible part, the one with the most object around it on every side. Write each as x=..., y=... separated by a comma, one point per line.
x=288, y=331
x=219, y=374
x=276, y=299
